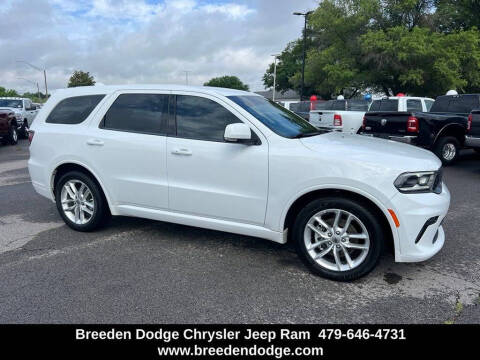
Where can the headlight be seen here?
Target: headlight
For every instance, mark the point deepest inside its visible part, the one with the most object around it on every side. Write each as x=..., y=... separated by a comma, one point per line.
x=18, y=115
x=420, y=182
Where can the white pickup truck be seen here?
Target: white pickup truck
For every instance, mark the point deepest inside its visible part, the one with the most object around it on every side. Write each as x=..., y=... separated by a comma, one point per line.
x=25, y=111
x=344, y=115
x=347, y=115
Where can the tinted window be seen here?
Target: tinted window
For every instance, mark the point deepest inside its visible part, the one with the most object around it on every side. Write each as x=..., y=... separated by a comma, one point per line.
x=141, y=113
x=74, y=110
x=456, y=104
x=428, y=104
x=357, y=105
x=384, y=105
x=414, y=105
x=202, y=119
x=325, y=105
x=278, y=119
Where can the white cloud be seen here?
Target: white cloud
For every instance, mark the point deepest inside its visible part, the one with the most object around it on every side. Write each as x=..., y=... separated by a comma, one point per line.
x=145, y=41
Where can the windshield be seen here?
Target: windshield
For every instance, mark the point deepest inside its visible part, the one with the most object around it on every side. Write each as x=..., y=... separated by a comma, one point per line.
x=11, y=103
x=278, y=119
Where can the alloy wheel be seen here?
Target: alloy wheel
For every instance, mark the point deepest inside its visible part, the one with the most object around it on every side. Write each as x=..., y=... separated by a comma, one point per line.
x=77, y=201
x=336, y=239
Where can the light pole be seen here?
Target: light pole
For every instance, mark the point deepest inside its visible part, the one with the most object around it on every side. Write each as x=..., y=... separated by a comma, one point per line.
x=305, y=15
x=41, y=70
x=274, y=75
x=34, y=83
x=186, y=75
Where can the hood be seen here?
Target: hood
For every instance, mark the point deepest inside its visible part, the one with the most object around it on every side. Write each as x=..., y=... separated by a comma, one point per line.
x=15, y=110
x=373, y=152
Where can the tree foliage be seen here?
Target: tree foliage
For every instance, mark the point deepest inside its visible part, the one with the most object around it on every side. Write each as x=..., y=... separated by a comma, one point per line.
x=8, y=92
x=422, y=47
x=81, y=78
x=231, y=82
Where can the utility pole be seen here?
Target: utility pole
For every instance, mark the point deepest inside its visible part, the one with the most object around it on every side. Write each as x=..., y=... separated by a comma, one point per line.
x=41, y=70
x=274, y=75
x=186, y=76
x=305, y=15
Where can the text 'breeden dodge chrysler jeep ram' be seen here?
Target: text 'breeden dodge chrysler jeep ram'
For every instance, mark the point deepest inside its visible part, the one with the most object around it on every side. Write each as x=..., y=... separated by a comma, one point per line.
x=233, y=161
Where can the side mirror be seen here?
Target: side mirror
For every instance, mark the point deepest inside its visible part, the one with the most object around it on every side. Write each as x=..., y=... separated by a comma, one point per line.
x=237, y=133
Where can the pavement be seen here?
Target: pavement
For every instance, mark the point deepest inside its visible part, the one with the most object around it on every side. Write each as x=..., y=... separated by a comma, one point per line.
x=142, y=271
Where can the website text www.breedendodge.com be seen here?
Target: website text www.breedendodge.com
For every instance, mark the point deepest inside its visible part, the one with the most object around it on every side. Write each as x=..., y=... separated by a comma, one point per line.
x=247, y=342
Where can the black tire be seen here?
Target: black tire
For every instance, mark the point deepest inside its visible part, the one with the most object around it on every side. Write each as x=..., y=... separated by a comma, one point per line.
x=24, y=130
x=12, y=137
x=439, y=149
x=364, y=214
x=100, y=211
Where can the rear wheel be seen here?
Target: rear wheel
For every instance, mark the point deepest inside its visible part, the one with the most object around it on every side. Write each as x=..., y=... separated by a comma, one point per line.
x=12, y=137
x=338, y=239
x=80, y=201
x=447, y=149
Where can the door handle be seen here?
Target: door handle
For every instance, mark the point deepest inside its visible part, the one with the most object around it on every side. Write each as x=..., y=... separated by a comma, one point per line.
x=95, y=142
x=181, y=151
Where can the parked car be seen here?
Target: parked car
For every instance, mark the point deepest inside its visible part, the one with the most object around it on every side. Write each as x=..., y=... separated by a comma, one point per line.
x=234, y=161
x=25, y=111
x=339, y=115
x=8, y=127
x=472, y=139
x=442, y=130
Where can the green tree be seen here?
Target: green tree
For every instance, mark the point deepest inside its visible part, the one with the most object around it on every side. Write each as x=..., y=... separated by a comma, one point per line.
x=231, y=82
x=81, y=78
x=454, y=15
x=8, y=92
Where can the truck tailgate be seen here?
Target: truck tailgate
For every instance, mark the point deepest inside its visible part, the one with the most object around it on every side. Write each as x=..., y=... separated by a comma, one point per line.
x=322, y=119
x=386, y=123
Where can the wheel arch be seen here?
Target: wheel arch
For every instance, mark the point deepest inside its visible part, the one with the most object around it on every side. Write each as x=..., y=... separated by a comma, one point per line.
x=373, y=205
x=65, y=167
x=456, y=130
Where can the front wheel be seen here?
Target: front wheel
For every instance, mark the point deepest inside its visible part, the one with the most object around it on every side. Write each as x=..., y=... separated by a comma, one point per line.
x=339, y=239
x=80, y=201
x=447, y=149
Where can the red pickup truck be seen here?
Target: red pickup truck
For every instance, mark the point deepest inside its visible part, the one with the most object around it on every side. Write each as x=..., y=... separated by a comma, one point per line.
x=8, y=127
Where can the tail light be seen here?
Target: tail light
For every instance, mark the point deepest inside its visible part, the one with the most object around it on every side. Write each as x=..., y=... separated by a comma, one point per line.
x=412, y=124
x=337, y=120
x=30, y=136
x=364, y=122
x=469, y=122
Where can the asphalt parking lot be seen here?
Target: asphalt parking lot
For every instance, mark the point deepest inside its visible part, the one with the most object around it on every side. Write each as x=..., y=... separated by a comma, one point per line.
x=141, y=271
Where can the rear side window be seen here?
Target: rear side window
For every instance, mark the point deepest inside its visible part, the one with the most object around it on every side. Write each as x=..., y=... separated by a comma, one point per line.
x=414, y=105
x=428, y=104
x=142, y=113
x=357, y=105
x=384, y=105
x=202, y=119
x=74, y=110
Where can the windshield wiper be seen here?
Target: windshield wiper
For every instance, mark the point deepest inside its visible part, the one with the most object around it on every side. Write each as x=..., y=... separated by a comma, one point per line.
x=302, y=135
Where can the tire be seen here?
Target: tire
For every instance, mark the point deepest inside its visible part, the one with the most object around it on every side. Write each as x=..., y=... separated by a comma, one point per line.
x=94, y=195
x=447, y=149
x=24, y=130
x=363, y=223
x=12, y=137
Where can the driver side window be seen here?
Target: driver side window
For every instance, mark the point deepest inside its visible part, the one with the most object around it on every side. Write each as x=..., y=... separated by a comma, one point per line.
x=201, y=118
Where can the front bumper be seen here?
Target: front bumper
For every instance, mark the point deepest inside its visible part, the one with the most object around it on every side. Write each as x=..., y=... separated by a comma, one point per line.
x=418, y=241
x=472, y=141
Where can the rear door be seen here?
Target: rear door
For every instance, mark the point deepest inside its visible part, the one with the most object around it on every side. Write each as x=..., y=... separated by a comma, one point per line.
x=208, y=176
x=128, y=148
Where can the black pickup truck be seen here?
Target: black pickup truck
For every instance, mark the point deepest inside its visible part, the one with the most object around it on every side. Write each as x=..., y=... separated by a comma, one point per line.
x=472, y=138
x=442, y=130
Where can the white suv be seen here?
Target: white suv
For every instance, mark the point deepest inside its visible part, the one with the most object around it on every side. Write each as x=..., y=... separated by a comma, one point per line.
x=233, y=161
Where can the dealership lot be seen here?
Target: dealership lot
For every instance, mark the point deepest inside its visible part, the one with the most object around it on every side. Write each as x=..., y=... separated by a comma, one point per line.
x=141, y=271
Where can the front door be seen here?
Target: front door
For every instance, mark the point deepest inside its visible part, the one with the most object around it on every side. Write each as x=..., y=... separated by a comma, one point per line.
x=208, y=176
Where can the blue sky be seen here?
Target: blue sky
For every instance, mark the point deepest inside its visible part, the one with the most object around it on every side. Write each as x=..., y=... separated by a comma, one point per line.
x=144, y=41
